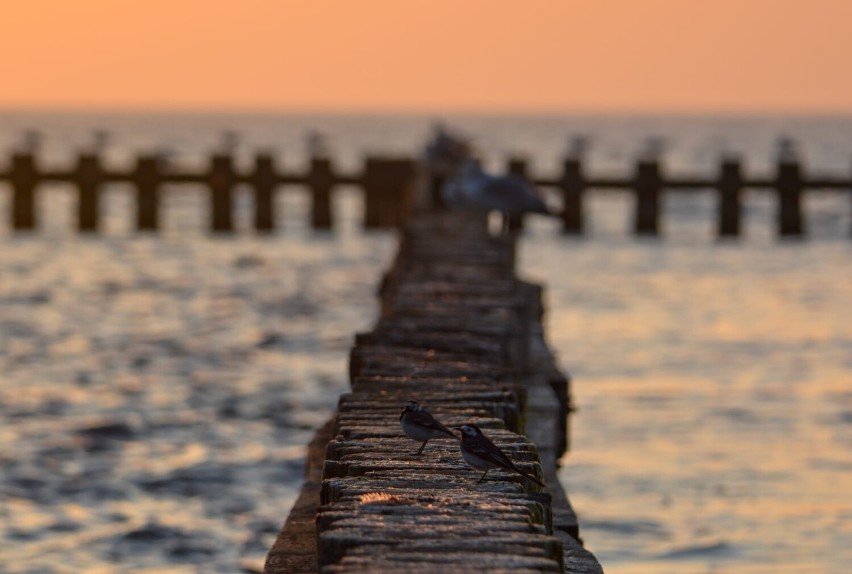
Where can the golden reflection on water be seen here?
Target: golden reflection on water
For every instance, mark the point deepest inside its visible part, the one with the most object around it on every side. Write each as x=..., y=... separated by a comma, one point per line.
x=714, y=430
x=213, y=355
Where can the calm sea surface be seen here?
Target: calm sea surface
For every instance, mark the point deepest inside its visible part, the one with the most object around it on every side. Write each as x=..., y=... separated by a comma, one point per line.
x=156, y=392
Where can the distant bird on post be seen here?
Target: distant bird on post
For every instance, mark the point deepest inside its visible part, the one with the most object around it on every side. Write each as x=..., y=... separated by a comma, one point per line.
x=418, y=424
x=577, y=146
x=100, y=140
x=229, y=141
x=785, y=150
x=476, y=190
x=652, y=148
x=479, y=452
x=446, y=151
x=317, y=144
x=30, y=141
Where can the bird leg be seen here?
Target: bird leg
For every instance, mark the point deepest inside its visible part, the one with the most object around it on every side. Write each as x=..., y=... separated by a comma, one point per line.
x=422, y=446
x=481, y=478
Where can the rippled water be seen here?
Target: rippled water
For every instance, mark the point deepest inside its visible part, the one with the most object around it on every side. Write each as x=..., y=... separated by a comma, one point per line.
x=157, y=395
x=156, y=392
x=714, y=432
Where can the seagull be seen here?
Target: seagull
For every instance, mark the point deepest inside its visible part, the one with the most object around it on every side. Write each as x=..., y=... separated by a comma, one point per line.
x=479, y=452
x=577, y=146
x=418, y=424
x=317, y=144
x=30, y=141
x=229, y=140
x=652, y=148
x=100, y=140
x=446, y=151
x=474, y=189
x=785, y=149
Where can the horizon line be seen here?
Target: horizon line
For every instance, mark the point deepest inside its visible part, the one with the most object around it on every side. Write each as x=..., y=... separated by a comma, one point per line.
x=289, y=110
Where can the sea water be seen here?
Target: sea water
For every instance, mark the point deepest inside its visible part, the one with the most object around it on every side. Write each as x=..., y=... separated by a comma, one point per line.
x=157, y=392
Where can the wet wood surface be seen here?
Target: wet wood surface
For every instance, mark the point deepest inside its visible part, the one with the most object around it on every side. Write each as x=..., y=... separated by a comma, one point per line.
x=462, y=335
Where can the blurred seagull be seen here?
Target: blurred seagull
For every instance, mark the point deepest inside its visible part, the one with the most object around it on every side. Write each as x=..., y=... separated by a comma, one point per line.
x=30, y=141
x=229, y=140
x=419, y=424
x=474, y=189
x=100, y=140
x=317, y=144
x=479, y=452
x=652, y=148
x=577, y=146
x=446, y=151
x=785, y=149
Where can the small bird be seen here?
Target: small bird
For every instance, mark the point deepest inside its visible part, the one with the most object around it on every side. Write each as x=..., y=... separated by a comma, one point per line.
x=446, y=151
x=479, y=452
x=419, y=424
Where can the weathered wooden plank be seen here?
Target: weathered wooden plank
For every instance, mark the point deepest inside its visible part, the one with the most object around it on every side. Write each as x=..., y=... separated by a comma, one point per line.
x=469, y=347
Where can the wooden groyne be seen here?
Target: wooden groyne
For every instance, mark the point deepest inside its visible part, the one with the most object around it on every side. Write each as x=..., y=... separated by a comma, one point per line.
x=461, y=334
x=389, y=186
x=384, y=180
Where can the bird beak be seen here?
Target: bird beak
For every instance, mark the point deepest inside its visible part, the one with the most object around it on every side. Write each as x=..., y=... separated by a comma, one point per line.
x=458, y=429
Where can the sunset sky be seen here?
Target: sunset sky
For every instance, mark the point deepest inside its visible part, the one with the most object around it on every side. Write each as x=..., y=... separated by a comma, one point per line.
x=436, y=55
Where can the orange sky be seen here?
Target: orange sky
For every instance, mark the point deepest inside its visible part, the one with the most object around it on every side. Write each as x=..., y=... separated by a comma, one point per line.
x=435, y=55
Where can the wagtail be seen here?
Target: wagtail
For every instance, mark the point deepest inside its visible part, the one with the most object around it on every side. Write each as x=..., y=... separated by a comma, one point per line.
x=418, y=424
x=478, y=451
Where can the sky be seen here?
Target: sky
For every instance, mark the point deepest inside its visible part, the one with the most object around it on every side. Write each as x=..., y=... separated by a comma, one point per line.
x=429, y=56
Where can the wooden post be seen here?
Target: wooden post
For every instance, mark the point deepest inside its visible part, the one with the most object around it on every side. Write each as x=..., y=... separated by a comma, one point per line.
x=573, y=186
x=516, y=166
x=436, y=186
x=88, y=178
x=24, y=179
x=730, y=205
x=647, y=184
x=789, y=187
x=221, y=182
x=264, y=180
x=402, y=198
x=374, y=184
x=387, y=188
x=147, y=178
x=321, y=182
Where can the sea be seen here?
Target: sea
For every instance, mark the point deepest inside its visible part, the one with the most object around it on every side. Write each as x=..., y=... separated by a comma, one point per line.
x=157, y=391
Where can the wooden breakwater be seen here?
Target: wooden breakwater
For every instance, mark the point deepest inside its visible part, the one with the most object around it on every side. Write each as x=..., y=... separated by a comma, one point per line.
x=648, y=182
x=392, y=185
x=385, y=182
x=462, y=335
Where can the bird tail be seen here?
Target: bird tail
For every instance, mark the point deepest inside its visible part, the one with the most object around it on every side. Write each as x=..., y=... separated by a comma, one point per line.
x=530, y=477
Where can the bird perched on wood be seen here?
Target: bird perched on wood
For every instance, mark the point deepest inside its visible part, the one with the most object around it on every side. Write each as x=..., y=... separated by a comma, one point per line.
x=479, y=452
x=474, y=189
x=418, y=424
x=446, y=151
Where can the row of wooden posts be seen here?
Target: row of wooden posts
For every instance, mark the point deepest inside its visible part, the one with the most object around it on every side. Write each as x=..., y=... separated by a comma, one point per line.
x=385, y=182
x=648, y=183
x=388, y=184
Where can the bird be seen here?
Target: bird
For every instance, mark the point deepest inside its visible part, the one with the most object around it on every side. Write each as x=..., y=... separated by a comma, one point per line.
x=317, y=144
x=785, y=149
x=479, y=452
x=419, y=424
x=446, y=151
x=30, y=141
x=652, y=148
x=472, y=188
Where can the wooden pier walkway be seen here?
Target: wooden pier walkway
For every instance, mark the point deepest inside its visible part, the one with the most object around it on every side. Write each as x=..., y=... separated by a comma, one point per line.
x=462, y=335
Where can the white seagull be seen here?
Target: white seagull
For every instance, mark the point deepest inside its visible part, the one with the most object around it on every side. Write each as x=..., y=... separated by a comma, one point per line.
x=445, y=151
x=474, y=189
